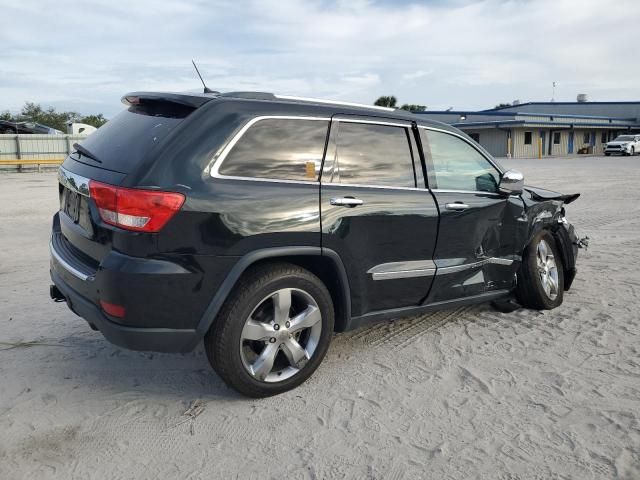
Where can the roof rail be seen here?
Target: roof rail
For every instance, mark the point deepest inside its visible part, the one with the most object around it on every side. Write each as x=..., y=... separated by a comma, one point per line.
x=250, y=95
x=333, y=102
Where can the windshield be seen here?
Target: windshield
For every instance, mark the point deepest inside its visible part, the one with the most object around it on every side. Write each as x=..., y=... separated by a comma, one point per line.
x=624, y=138
x=124, y=141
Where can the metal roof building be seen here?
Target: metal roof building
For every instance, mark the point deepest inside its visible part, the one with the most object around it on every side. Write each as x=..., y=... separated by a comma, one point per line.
x=545, y=128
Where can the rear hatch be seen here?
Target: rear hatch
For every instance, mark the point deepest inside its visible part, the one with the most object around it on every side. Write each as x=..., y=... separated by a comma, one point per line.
x=115, y=150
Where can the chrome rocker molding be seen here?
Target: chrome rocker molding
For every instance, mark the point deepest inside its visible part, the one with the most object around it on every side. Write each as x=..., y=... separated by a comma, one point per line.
x=465, y=266
x=410, y=269
x=427, y=268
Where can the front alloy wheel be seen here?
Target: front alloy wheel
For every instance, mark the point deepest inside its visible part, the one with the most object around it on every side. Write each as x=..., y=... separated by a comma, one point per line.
x=547, y=269
x=541, y=277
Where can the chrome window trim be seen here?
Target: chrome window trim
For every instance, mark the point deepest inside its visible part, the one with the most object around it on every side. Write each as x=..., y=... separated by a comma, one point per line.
x=80, y=184
x=73, y=271
x=268, y=180
x=371, y=122
x=488, y=159
x=338, y=119
x=444, y=190
x=215, y=168
x=384, y=187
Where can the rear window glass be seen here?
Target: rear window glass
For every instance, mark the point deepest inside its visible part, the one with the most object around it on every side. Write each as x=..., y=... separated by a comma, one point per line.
x=371, y=154
x=278, y=148
x=124, y=141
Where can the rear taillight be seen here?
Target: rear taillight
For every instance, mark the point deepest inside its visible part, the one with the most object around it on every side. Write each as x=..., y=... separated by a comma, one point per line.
x=135, y=209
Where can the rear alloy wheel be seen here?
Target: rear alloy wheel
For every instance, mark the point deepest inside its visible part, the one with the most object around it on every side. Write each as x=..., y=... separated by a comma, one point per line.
x=273, y=331
x=541, y=276
x=275, y=343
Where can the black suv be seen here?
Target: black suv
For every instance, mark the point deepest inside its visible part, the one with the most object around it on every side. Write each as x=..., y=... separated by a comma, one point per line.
x=263, y=224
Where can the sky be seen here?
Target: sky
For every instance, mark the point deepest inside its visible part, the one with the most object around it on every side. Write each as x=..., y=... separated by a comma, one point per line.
x=83, y=56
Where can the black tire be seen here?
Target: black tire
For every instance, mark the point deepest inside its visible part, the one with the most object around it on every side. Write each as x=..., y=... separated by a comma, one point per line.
x=607, y=154
x=507, y=305
x=530, y=290
x=224, y=339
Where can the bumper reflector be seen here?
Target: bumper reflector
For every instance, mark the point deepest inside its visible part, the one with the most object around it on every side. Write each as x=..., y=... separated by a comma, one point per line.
x=113, y=309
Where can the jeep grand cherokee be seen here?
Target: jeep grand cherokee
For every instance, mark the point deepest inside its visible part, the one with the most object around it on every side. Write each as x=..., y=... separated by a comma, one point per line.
x=263, y=224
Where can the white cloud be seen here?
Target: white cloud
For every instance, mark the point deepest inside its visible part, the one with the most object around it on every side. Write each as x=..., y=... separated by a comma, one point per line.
x=417, y=74
x=463, y=54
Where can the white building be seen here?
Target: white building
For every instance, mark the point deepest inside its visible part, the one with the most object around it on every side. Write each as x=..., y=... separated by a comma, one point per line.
x=545, y=128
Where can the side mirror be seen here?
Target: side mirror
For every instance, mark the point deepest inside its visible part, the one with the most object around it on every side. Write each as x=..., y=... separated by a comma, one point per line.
x=511, y=183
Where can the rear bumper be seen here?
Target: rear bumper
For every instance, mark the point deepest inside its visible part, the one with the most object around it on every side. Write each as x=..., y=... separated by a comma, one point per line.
x=133, y=338
x=164, y=299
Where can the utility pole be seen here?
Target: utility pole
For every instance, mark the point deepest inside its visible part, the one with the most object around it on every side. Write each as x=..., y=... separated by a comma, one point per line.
x=553, y=94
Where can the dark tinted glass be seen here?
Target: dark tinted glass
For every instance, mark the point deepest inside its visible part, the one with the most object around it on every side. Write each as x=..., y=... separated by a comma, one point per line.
x=282, y=149
x=370, y=154
x=124, y=141
x=527, y=138
x=556, y=138
x=457, y=165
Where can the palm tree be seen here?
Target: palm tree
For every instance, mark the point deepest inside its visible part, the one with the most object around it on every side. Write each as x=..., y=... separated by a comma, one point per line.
x=385, y=101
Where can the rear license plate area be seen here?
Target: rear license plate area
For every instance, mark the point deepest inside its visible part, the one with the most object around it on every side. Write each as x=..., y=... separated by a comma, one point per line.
x=70, y=204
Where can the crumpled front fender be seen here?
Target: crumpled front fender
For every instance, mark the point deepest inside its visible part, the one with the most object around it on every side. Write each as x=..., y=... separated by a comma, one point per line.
x=568, y=243
x=542, y=195
x=545, y=211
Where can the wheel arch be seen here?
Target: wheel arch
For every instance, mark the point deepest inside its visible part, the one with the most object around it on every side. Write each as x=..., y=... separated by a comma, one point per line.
x=563, y=238
x=322, y=262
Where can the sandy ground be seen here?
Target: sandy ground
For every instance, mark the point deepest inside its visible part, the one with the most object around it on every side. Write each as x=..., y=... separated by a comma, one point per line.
x=465, y=393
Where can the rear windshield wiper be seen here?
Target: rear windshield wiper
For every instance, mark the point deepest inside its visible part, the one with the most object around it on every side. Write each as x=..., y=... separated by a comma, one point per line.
x=85, y=153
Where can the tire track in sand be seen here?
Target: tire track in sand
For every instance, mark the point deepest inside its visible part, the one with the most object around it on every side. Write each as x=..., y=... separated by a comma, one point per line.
x=399, y=334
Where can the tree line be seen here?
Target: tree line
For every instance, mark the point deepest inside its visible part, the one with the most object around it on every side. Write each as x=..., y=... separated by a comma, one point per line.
x=391, y=101
x=33, y=112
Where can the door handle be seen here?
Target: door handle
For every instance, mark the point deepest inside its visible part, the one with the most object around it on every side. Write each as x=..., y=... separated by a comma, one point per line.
x=456, y=206
x=346, y=202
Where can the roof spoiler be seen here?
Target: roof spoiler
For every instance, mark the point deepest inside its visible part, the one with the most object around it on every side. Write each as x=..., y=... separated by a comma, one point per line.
x=192, y=100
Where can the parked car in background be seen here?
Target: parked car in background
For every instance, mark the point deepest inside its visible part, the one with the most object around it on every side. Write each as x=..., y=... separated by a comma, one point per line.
x=623, y=145
x=74, y=128
x=27, y=128
x=262, y=224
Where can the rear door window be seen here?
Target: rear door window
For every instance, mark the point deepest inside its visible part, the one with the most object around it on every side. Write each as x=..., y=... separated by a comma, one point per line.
x=124, y=141
x=456, y=164
x=371, y=154
x=280, y=149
